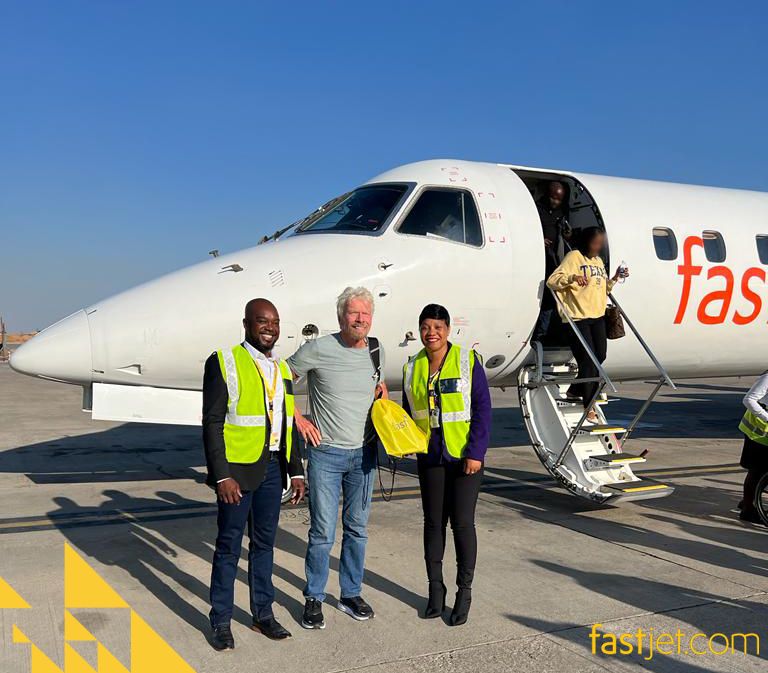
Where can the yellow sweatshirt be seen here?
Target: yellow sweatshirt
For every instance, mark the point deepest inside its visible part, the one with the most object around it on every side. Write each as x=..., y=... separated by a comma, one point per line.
x=581, y=302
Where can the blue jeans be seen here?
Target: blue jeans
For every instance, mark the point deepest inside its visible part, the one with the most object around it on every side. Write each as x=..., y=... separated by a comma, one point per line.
x=333, y=472
x=260, y=510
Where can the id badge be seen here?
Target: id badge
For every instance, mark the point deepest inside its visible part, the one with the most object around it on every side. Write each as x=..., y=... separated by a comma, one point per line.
x=274, y=442
x=434, y=418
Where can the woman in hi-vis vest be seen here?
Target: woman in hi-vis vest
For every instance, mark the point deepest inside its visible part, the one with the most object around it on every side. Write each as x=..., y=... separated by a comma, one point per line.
x=754, y=455
x=446, y=393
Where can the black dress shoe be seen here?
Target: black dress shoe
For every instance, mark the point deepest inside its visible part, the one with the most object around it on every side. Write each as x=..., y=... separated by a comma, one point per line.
x=271, y=628
x=461, y=607
x=222, y=638
x=436, y=602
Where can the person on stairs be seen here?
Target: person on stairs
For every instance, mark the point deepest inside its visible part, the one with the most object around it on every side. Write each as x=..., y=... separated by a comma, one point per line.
x=582, y=285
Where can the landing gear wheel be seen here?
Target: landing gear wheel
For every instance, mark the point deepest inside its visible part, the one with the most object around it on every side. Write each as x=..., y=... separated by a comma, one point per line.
x=287, y=491
x=761, y=498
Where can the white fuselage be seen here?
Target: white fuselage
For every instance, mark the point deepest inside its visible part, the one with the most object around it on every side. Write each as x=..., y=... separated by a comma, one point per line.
x=160, y=333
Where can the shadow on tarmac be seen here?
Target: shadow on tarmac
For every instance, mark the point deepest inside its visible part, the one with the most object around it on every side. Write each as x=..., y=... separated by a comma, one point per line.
x=147, y=551
x=696, y=611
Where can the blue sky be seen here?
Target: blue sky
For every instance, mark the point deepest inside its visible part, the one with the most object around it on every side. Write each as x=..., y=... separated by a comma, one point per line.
x=136, y=136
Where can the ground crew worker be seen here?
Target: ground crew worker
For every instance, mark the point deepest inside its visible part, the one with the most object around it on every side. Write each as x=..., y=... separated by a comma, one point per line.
x=754, y=455
x=247, y=433
x=446, y=393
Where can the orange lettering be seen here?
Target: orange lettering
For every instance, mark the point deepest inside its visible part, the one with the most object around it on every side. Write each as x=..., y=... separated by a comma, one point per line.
x=723, y=296
x=687, y=270
x=751, y=296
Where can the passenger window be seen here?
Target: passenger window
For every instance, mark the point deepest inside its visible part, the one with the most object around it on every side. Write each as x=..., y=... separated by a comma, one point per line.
x=665, y=243
x=762, y=248
x=445, y=213
x=714, y=246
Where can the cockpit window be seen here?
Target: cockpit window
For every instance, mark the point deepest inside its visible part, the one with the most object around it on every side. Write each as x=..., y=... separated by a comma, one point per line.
x=445, y=213
x=363, y=210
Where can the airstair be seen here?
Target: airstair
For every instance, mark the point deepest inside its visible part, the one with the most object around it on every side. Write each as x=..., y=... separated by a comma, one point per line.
x=587, y=459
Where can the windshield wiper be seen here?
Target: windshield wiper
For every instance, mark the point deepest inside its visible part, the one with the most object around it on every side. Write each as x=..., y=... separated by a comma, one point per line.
x=279, y=232
x=304, y=222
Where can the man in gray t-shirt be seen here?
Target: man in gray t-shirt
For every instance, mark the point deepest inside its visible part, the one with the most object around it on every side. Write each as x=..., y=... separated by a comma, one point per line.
x=342, y=383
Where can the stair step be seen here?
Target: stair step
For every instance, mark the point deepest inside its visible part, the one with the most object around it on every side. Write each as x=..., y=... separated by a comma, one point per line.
x=618, y=458
x=589, y=429
x=608, y=460
x=639, y=486
x=564, y=403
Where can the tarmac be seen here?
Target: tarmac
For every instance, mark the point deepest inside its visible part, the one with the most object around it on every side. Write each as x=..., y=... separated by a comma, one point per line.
x=130, y=499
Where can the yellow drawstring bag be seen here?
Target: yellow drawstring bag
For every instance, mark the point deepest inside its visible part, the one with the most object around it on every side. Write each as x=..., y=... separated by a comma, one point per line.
x=397, y=432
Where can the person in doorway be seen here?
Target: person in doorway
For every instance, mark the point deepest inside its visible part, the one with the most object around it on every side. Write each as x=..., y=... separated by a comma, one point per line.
x=342, y=371
x=247, y=435
x=556, y=232
x=446, y=392
x=754, y=455
x=582, y=285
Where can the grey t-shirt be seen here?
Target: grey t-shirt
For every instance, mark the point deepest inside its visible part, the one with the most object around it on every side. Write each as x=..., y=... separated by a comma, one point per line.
x=341, y=385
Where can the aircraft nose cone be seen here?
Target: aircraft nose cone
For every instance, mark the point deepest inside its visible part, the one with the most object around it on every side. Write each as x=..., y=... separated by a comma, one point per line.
x=61, y=351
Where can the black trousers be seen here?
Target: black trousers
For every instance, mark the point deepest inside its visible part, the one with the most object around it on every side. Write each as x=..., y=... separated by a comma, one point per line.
x=447, y=494
x=593, y=331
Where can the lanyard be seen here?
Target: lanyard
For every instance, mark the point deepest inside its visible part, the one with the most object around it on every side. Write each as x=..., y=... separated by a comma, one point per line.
x=432, y=388
x=271, y=391
x=433, y=383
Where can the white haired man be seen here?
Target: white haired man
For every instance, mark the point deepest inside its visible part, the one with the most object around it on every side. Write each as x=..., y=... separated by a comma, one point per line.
x=342, y=381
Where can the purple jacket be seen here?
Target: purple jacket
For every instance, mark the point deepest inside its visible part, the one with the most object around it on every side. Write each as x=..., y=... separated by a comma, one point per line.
x=479, y=424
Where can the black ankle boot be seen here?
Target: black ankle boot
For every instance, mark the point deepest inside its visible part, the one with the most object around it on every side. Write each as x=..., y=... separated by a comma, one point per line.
x=461, y=607
x=436, y=602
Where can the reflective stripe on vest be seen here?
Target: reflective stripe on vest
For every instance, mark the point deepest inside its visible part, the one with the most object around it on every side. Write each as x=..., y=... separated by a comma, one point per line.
x=454, y=400
x=755, y=428
x=246, y=424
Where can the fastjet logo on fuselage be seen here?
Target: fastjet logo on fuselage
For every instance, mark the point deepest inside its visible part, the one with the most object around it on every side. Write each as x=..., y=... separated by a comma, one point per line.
x=85, y=588
x=714, y=308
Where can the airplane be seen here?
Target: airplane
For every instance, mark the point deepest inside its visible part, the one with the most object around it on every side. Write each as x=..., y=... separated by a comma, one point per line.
x=466, y=235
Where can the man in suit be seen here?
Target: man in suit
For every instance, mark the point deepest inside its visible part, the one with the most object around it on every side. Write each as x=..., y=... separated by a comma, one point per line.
x=247, y=433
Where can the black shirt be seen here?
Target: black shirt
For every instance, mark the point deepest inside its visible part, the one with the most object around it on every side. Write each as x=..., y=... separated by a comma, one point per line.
x=550, y=220
x=248, y=476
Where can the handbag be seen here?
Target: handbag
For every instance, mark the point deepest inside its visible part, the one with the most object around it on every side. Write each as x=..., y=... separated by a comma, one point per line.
x=614, y=323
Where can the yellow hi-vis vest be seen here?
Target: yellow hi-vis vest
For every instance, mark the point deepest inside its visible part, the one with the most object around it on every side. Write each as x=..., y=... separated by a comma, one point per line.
x=246, y=426
x=755, y=428
x=454, y=395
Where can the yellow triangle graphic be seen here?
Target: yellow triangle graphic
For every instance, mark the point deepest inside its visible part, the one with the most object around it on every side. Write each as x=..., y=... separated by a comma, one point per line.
x=41, y=663
x=74, y=663
x=150, y=653
x=74, y=630
x=9, y=599
x=108, y=662
x=83, y=587
x=19, y=636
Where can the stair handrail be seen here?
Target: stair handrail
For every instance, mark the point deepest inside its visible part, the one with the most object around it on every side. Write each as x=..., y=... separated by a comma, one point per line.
x=645, y=346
